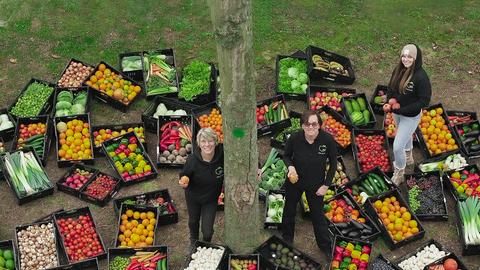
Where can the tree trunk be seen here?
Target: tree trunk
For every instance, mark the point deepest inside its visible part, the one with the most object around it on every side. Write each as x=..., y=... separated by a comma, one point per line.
x=232, y=21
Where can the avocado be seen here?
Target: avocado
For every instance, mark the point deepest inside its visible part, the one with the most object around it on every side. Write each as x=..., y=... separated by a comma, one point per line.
x=273, y=246
x=285, y=250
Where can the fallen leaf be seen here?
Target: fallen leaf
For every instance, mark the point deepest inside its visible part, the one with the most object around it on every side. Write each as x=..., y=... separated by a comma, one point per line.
x=54, y=56
x=13, y=60
x=470, y=72
x=434, y=46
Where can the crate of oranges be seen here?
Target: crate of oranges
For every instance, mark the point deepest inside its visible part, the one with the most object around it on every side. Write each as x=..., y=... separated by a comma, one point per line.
x=210, y=116
x=395, y=219
x=435, y=135
x=112, y=87
x=74, y=142
x=137, y=225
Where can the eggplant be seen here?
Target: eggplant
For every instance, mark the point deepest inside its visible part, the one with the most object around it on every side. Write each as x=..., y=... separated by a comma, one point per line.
x=469, y=140
x=367, y=231
x=474, y=148
x=347, y=230
x=367, y=227
x=342, y=225
x=354, y=233
x=472, y=134
x=358, y=225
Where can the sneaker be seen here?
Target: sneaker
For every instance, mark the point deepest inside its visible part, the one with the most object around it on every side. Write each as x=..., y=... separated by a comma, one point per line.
x=409, y=157
x=397, y=177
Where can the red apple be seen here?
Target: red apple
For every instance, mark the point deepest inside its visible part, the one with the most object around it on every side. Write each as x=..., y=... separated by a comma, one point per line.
x=396, y=106
x=387, y=107
x=318, y=94
x=392, y=101
x=388, y=121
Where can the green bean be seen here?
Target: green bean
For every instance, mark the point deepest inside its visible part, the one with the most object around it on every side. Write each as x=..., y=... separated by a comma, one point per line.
x=32, y=100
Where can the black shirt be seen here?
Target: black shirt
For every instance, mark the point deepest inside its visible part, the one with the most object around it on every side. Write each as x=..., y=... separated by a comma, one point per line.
x=310, y=160
x=206, y=178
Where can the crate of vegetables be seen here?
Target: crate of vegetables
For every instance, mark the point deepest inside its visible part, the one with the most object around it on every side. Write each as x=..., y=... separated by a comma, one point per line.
x=34, y=132
x=154, y=257
x=274, y=203
x=271, y=115
x=120, y=94
x=449, y=262
x=175, y=142
x=35, y=99
x=25, y=175
x=347, y=219
x=8, y=254
x=379, y=98
x=221, y=200
x=74, y=141
x=319, y=96
x=275, y=253
x=100, y=189
x=395, y=219
x=350, y=253
x=71, y=101
x=279, y=139
x=243, y=262
x=74, y=74
x=371, y=183
x=77, y=226
x=167, y=211
x=435, y=136
x=443, y=163
x=274, y=173
x=128, y=158
x=291, y=75
x=464, y=182
x=334, y=124
x=422, y=256
x=137, y=225
x=103, y=133
x=90, y=264
x=325, y=65
x=31, y=238
x=467, y=225
x=358, y=111
x=207, y=256
x=305, y=208
x=425, y=196
x=131, y=64
x=198, y=83
x=7, y=125
x=460, y=117
x=163, y=106
x=160, y=73
x=74, y=180
x=381, y=263
x=469, y=137
x=209, y=116
x=371, y=149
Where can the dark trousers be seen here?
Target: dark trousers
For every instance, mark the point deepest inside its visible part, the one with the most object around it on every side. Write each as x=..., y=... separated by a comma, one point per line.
x=320, y=223
x=207, y=212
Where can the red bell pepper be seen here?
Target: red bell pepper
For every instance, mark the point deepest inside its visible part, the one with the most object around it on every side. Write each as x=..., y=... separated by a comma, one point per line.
x=338, y=249
x=366, y=249
x=347, y=253
x=356, y=261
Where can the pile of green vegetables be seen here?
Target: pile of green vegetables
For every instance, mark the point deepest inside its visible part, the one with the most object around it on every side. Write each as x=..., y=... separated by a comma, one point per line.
x=196, y=80
x=292, y=76
x=32, y=100
x=275, y=204
x=273, y=173
x=470, y=214
x=283, y=135
x=68, y=105
x=161, y=75
x=131, y=63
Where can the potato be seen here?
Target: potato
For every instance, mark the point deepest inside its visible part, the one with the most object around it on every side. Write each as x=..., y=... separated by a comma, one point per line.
x=171, y=147
x=166, y=153
x=188, y=147
x=182, y=152
x=175, y=152
x=171, y=157
x=163, y=160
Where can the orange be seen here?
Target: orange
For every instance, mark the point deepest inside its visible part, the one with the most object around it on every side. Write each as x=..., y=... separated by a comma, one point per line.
x=406, y=216
x=143, y=215
x=124, y=216
x=149, y=240
x=439, y=110
x=127, y=233
x=102, y=67
x=384, y=209
x=412, y=224
x=152, y=221
x=403, y=209
x=415, y=230
x=451, y=141
x=150, y=214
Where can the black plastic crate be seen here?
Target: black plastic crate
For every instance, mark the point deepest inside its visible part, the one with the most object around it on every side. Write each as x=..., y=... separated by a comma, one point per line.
x=290, y=96
x=447, y=178
x=49, y=216
x=150, y=121
x=373, y=119
x=27, y=198
x=170, y=61
x=85, y=118
x=368, y=132
x=74, y=91
x=335, y=115
x=463, y=137
x=135, y=207
x=46, y=107
x=72, y=191
x=378, y=108
x=316, y=74
x=428, y=214
x=420, y=248
x=47, y=136
x=369, y=208
x=7, y=134
x=223, y=261
x=91, y=264
x=75, y=213
x=267, y=224
x=386, y=264
x=467, y=249
x=439, y=158
x=100, y=201
x=469, y=116
x=9, y=244
x=339, y=239
x=66, y=67
x=97, y=148
x=204, y=99
x=136, y=75
x=316, y=93
x=197, y=112
x=460, y=264
x=153, y=173
x=128, y=252
x=270, y=247
x=103, y=97
x=253, y=257
x=275, y=126
x=278, y=143
x=163, y=219
x=182, y=120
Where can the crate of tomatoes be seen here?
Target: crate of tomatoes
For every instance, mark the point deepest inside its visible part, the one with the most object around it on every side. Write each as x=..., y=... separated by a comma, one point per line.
x=371, y=149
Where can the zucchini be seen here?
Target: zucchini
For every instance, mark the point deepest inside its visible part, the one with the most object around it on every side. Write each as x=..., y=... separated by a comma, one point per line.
x=474, y=148
x=372, y=186
x=35, y=137
x=377, y=184
x=367, y=188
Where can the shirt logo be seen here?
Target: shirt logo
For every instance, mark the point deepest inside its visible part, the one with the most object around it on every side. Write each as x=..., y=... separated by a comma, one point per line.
x=322, y=149
x=410, y=86
x=219, y=172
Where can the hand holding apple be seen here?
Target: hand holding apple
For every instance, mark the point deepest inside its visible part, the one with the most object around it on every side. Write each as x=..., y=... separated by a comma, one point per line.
x=387, y=107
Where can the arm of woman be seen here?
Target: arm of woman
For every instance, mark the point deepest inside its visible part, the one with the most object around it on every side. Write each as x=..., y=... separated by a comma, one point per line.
x=187, y=172
x=287, y=156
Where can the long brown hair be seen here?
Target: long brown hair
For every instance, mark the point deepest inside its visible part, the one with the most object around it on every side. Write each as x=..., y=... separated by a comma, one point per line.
x=401, y=76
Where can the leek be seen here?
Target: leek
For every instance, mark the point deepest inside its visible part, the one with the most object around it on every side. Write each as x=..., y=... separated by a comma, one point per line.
x=470, y=214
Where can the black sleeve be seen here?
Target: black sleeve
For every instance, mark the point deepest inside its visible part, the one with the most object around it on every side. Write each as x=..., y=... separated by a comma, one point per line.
x=187, y=169
x=391, y=93
x=424, y=93
x=288, y=153
x=332, y=160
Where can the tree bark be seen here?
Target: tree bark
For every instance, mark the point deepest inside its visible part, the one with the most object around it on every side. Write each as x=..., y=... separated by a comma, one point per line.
x=232, y=21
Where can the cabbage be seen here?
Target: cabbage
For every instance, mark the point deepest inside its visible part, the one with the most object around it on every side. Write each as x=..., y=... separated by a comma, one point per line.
x=77, y=109
x=302, y=78
x=292, y=72
x=295, y=84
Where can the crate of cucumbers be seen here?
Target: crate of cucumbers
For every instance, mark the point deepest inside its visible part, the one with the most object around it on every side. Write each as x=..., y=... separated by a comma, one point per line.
x=34, y=132
x=272, y=115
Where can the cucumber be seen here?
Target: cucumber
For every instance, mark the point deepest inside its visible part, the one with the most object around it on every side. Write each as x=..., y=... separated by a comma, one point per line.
x=368, y=190
x=35, y=137
x=381, y=180
x=362, y=189
x=373, y=186
x=376, y=184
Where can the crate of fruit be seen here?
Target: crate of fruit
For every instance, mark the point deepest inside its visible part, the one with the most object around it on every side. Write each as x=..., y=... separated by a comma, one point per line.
x=469, y=137
x=464, y=182
x=35, y=99
x=350, y=253
x=450, y=261
x=155, y=257
x=334, y=124
x=207, y=256
x=74, y=141
x=275, y=253
x=163, y=106
x=25, y=175
x=372, y=183
x=371, y=149
x=274, y=203
x=34, y=132
x=279, y=139
x=390, y=127
x=8, y=255
x=198, y=83
x=305, y=208
x=358, y=111
x=379, y=98
x=271, y=115
x=244, y=262
x=425, y=196
x=30, y=238
x=319, y=96
x=131, y=64
x=137, y=225
x=128, y=158
x=435, y=136
x=167, y=211
x=74, y=180
x=90, y=264
x=221, y=200
x=209, y=116
x=7, y=125
x=291, y=75
x=381, y=263
x=160, y=73
x=71, y=101
x=274, y=173
x=422, y=256
x=175, y=140
x=347, y=219
x=76, y=226
x=74, y=74
x=120, y=94
x=325, y=65
x=465, y=212
x=448, y=162
x=404, y=228
x=100, y=189
x=103, y=133
x=460, y=117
